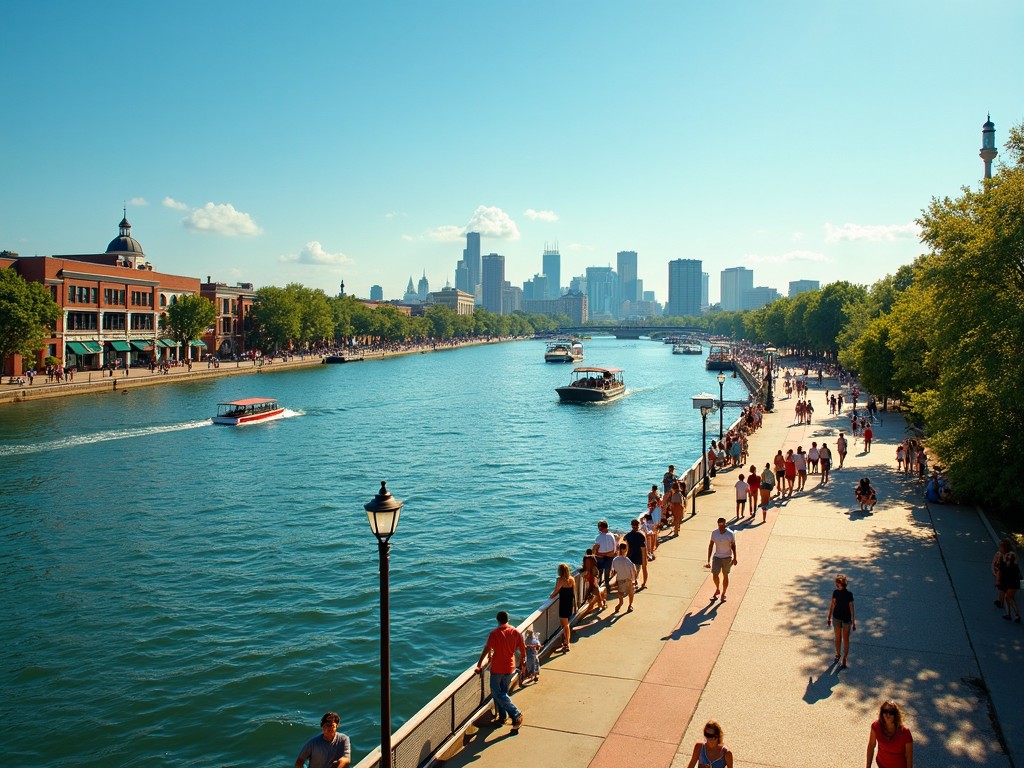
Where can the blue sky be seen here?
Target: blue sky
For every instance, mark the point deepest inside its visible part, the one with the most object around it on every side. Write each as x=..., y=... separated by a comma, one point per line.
x=315, y=142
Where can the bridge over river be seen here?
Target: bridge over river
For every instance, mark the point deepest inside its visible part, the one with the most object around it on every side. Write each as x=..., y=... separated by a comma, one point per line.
x=634, y=331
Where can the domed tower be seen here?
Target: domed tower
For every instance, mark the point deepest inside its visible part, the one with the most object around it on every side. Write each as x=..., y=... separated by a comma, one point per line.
x=988, y=145
x=125, y=245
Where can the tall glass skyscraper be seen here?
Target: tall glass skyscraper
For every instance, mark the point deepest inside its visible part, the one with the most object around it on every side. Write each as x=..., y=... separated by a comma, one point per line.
x=684, y=287
x=629, y=286
x=492, y=282
x=471, y=255
x=552, y=268
x=736, y=281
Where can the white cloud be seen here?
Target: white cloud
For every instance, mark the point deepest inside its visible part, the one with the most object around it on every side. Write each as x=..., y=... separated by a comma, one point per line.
x=313, y=253
x=170, y=202
x=446, y=233
x=221, y=219
x=395, y=215
x=579, y=247
x=541, y=215
x=797, y=237
x=871, y=232
x=786, y=258
x=138, y=201
x=491, y=221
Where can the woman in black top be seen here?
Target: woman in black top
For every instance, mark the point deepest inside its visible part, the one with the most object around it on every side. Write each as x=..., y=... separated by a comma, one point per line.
x=565, y=589
x=841, y=616
x=1009, y=583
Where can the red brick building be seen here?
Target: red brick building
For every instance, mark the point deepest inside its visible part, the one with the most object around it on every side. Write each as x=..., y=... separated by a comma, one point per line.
x=230, y=332
x=111, y=305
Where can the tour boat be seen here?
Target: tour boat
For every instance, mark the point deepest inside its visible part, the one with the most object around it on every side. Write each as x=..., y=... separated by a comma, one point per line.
x=720, y=358
x=687, y=348
x=247, y=411
x=593, y=385
x=563, y=352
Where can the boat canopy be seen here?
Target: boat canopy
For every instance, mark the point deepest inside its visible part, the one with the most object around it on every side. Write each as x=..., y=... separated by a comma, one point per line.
x=249, y=401
x=597, y=370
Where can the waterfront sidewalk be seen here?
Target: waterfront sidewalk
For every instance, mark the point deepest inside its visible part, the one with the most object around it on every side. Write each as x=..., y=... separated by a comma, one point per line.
x=637, y=688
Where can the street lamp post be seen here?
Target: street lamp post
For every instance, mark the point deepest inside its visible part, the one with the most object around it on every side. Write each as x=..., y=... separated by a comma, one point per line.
x=383, y=512
x=769, y=403
x=721, y=403
x=706, y=404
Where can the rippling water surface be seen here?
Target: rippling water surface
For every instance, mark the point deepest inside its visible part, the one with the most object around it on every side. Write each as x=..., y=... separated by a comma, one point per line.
x=200, y=595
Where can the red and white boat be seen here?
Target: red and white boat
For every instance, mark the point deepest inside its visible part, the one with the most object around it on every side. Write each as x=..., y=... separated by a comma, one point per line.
x=247, y=411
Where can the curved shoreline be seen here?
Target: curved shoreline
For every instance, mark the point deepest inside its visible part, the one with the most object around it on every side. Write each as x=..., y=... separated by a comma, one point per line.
x=90, y=382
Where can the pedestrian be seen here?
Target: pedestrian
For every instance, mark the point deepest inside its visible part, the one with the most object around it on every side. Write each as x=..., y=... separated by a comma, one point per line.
x=625, y=577
x=604, y=550
x=565, y=591
x=767, y=486
x=331, y=749
x=651, y=533
x=654, y=507
x=636, y=551
x=780, y=472
x=753, y=490
x=712, y=752
x=741, y=495
x=591, y=574
x=892, y=738
x=825, y=458
x=868, y=434
x=500, y=650
x=899, y=457
x=1009, y=583
x=812, y=457
x=841, y=446
x=866, y=495
x=997, y=560
x=723, y=547
x=800, y=459
x=533, y=646
x=668, y=478
x=841, y=617
x=790, y=472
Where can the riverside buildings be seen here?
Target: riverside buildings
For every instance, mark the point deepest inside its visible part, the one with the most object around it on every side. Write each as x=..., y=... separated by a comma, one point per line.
x=736, y=281
x=111, y=304
x=493, y=281
x=802, y=286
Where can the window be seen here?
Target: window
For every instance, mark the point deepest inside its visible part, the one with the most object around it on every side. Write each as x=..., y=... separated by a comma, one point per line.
x=113, y=321
x=53, y=293
x=234, y=307
x=142, y=322
x=71, y=294
x=81, y=321
x=227, y=306
x=163, y=300
x=88, y=295
x=142, y=299
x=113, y=297
x=225, y=325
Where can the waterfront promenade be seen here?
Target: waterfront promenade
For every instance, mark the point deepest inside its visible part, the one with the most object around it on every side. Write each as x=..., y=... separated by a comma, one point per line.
x=637, y=688
x=86, y=382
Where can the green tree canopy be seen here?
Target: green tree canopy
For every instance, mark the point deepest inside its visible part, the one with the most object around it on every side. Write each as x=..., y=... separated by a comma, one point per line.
x=188, y=318
x=27, y=315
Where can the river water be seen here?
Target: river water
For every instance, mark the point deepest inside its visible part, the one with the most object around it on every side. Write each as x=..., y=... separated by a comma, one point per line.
x=187, y=594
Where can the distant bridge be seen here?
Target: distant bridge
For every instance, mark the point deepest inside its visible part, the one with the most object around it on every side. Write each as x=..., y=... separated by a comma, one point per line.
x=634, y=331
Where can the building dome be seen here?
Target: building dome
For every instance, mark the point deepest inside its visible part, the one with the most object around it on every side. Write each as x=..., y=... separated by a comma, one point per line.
x=124, y=242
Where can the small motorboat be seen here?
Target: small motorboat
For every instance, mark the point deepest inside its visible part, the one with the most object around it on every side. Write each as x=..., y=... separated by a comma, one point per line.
x=563, y=352
x=248, y=411
x=593, y=385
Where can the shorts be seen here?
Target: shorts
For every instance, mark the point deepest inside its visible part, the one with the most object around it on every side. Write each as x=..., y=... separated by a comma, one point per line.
x=622, y=586
x=840, y=624
x=721, y=565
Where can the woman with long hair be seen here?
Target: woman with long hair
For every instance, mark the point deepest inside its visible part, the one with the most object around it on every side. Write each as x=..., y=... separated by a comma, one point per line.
x=712, y=752
x=565, y=590
x=591, y=575
x=891, y=737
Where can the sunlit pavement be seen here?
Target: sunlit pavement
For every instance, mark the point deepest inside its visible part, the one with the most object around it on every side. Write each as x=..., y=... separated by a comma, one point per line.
x=638, y=687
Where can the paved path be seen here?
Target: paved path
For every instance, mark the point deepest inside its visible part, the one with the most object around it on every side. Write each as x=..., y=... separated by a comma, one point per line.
x=637, y=688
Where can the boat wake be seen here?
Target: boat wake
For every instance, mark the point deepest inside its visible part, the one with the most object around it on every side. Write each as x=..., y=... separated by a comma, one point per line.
x=99, y=437
x=289, y=413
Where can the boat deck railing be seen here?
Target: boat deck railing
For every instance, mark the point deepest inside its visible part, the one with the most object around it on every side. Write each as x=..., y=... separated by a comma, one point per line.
x=437, y=730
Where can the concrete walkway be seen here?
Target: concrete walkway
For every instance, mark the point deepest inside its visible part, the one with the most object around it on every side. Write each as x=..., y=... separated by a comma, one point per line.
x=637, y=688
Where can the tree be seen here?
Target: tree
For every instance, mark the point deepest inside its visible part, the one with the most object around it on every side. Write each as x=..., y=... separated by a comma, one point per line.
x=188, y=318
x=316, y=318
x=276, y=316
x=27, y=314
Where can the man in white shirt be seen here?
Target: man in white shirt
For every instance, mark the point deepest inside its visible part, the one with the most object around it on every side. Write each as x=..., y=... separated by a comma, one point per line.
x=800, y=459
x=723, y=546
x=604, y=551
x=741, y=495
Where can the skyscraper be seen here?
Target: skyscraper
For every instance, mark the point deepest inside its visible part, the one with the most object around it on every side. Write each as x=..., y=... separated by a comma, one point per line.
x=492, y=283
x=735, y=281
x=376, y=293
x=625, y=265
x=552, y=268
x=462, y=278
x=705, y=280
x=684, y=287
x=471, y=255
x=423, y=287
x=602, y=288
x=802, y=286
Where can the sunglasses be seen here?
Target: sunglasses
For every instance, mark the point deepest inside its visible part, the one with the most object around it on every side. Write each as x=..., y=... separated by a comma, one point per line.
x=710, y=735
x=888, y=711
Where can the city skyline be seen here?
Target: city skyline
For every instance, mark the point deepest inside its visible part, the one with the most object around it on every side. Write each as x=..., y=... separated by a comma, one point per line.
x=787, y=140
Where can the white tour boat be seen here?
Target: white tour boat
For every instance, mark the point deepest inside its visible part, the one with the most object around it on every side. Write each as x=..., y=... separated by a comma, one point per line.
x=247, y=411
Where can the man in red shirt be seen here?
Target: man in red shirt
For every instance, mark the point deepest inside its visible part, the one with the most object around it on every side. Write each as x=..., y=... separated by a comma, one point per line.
x=868, y=434
x=501, y=647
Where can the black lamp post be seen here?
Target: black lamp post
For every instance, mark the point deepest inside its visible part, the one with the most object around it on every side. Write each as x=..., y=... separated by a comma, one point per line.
x=383, y=513
x=769, y=403
x=721, y=403
x=706, y=404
